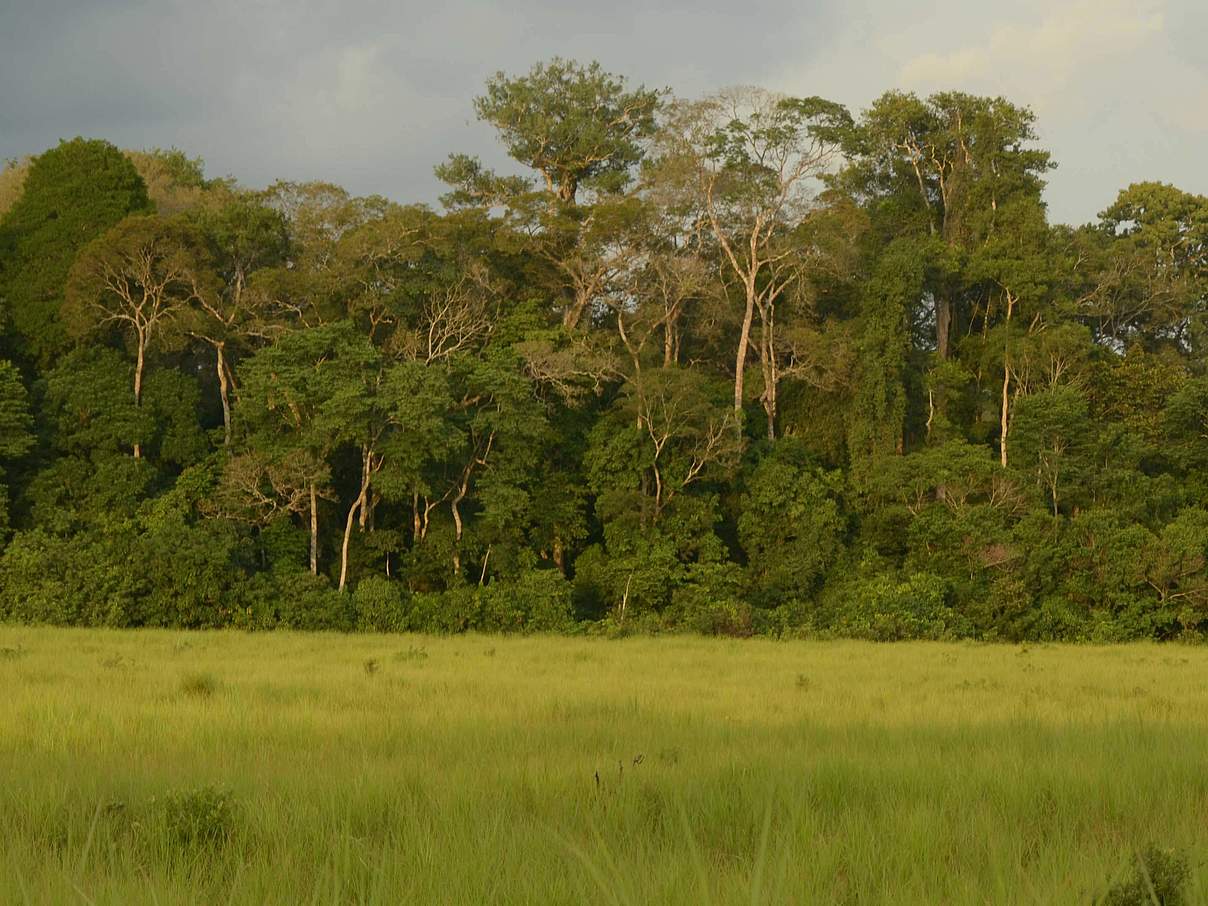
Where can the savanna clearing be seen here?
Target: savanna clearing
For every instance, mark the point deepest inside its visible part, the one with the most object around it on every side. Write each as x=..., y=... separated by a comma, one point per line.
x=171, y=767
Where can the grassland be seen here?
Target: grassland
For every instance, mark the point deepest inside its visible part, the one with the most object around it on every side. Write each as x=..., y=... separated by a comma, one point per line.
x=163, y=768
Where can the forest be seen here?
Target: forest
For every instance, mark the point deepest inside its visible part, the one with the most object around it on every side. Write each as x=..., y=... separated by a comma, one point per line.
x=741, y=365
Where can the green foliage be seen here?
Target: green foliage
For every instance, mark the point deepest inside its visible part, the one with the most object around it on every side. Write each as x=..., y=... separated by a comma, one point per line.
x=710, y=602
x=298, y=600
x=791, y=526
x=537, y=601
x=1051, y=436
x=532, y=412
x=380, y=605
x=885, y=608
x=1157, y=876
x=199, y=818
x=72, y=194
x=575, y=125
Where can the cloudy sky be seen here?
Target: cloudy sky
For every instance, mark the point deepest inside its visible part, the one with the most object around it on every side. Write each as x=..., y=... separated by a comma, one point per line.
x=371, y=94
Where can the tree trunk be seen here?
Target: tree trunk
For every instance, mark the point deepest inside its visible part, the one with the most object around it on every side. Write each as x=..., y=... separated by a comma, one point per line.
x=224, y=391
x=767, y=364
x=358, y=504
x=943, y=327
x=314, y=530
x=138, y=385
x=572, y=314
x=455, y=506
x=744, y=340
x=1004, y=422
x=368, y=509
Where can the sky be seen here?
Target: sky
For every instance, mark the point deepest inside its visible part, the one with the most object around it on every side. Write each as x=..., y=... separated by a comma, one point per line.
x=372, y=94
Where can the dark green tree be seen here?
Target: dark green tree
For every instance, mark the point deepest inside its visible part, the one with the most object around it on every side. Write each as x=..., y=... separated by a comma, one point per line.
x=72, y=194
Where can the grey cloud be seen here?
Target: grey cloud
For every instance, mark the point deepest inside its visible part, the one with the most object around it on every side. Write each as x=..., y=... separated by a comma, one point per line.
x=372, y=94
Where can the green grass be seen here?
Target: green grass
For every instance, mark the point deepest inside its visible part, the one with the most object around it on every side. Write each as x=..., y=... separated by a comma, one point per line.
x=164, y=767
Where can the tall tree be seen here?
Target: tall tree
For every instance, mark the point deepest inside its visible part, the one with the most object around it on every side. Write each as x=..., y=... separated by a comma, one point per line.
x=754, y=160
x=941, y=167
x=244, y=236
x=577, y=126
x=142, y=277
x=16, y=428
x=301, y=398
x=1146, y=268
x=72, y=194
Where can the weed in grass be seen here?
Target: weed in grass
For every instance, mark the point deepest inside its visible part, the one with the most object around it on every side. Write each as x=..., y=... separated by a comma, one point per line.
x=803, y=682
x=198, y=685
x=1158, y=878
x=412, y=653
x=11, y=654
x=669, y=756
x=371, y=666
x=203, y=817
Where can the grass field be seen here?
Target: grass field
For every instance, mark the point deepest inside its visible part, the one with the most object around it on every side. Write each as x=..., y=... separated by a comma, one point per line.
x=163, y=767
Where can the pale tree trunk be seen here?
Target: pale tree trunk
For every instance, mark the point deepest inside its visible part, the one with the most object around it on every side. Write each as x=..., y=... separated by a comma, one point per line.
x=573, y=314
x=455, y=506
x=138, y=383
x=224, y=391
x=767, y=364
x=314, y=529
x=368, y=508
x=1006, y=385
x=358, y=504
x=744, y=340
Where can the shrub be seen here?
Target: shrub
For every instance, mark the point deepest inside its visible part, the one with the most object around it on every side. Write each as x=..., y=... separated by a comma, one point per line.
x=536, y=601
x=198, y=685
x=380, y=605
x=455, y=610
x=884, y=608
x=309, y=602
x=78, y=581
x=204, y=817
x=711, y=602
x=1159, y=877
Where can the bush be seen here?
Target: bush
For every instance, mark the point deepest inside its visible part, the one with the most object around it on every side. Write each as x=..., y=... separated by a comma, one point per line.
x=455, y=610
x=203, y=817
x=380, y=605
x=193, y=580
x=884, y=608
x=1159, y=877
x=711, y=602
x=537, y=601
x=84, y=580
x=309, y=602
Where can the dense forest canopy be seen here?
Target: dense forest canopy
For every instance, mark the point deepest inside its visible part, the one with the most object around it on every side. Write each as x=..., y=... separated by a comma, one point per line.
x=740, y=364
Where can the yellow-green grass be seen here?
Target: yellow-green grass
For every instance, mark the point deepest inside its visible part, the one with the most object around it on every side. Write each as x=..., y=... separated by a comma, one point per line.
x=472, y=769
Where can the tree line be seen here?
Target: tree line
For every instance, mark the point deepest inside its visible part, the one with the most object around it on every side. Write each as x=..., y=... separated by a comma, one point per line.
x=747, y=364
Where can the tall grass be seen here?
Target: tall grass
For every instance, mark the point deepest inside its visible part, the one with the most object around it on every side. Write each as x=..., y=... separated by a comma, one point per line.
x=162, y=768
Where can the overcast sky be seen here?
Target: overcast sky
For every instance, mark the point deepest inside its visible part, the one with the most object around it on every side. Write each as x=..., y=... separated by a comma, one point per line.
x=371, y=94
